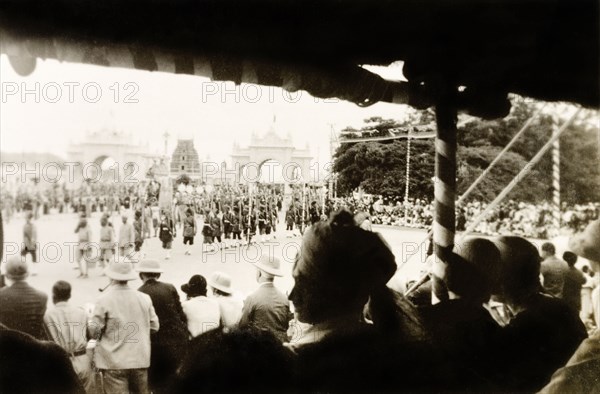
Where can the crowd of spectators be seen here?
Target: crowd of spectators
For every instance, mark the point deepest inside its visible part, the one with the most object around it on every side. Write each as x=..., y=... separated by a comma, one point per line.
x=508, y=218
x=507, y=321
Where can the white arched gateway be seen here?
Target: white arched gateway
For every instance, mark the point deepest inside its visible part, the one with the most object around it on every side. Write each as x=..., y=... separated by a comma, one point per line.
x=285, y=162
x=109, y=155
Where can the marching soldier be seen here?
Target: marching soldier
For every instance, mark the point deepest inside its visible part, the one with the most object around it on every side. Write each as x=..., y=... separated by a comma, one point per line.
x=236, y=225
x=228, y=218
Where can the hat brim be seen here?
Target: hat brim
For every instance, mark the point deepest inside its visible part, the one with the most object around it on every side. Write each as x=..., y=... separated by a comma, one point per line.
x=269, y=270
x=217, y=286
x=116, y=276
x=150, y=270
x=189, y=290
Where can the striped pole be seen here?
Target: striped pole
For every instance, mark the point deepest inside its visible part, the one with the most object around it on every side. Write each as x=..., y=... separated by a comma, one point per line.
x=303, y=207
x=249, y=213
x=444, y=189
x=406, y=189
x=556, y=182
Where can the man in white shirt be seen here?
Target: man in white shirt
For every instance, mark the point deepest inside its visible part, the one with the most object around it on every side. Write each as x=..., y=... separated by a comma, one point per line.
x=126, y=238
x=67, y=326
x=121, y=323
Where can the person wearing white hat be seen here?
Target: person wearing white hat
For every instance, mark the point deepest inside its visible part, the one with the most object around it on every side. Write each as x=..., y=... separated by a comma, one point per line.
x=169, y=343
x=267, y=308
x=230, y=307
x=121, y=324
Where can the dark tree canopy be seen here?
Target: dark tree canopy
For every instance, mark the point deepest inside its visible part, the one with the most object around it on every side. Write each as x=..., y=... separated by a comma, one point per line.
x=381, y=168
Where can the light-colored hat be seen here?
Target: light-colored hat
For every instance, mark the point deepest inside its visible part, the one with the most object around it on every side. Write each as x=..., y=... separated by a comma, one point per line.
x=220, y=281
x=16, y=268
x=149, y=266
x=120, y=270
x=270, y=265
x=587, y=243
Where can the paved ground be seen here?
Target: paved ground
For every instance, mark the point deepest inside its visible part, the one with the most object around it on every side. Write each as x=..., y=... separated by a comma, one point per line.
x=56, y=237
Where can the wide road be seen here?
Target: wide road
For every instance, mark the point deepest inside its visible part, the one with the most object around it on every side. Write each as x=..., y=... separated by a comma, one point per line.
x=57, y=239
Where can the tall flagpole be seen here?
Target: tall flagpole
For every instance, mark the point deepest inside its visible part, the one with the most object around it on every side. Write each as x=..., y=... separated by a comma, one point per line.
x=556, y=212
x=303, y=206
x=406, y=189
x=444, y=188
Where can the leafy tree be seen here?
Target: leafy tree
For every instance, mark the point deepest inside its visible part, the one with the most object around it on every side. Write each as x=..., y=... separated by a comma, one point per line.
x=380, y=168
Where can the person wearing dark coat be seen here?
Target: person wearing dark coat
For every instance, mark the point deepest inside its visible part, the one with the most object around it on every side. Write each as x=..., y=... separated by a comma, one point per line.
x=166, y=233
x=460, y=326
x=235, y=360
x=544, y=332
x=574, y=281
x=167, y=345
x=28, y=365
x=22, y=307
x=267, y=308
x=582, y=373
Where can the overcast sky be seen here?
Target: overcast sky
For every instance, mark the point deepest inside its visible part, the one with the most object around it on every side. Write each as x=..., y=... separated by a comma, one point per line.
x=148, y=104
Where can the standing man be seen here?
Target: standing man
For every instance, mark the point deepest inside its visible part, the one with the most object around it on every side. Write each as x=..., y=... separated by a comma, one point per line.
x=155, y=219
x=574, y=281
x=313, y=213
x=166, y=233
x=217, y=228
x=121, y=324
x=168, y=344
x=22, y=307
x=267, y=308
x=107, y=241
x=30, y=241
x=189, y=230
x=290, y=218
x=228, y=219
x=126, y=237
x=84, y=238
x=138, y=231
x=553, y=271
x=236, y=226
x=67, y=325
x=148, y=223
